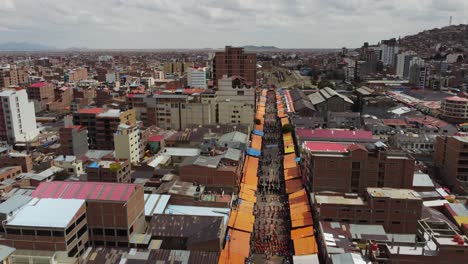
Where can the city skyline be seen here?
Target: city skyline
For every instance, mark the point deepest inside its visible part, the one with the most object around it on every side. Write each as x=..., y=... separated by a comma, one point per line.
x=146, y=24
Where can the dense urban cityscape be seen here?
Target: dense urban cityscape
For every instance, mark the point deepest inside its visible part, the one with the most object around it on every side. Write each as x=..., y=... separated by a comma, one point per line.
x=236, y=155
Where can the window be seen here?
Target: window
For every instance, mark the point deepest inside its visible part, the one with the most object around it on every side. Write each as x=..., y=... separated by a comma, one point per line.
x=70, y=228
x=58, y=233
x=43, y=233
x=121, y=232
x=97, y=232
x=27, y=232
x=240, y=92
x=109, y=232
x=13, y=231
x=395, y=222
x=82, y=230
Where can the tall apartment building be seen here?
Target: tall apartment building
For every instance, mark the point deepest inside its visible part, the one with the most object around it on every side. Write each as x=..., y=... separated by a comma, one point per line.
x=419, y=74
x=49, y=225
x=177, y=111
x=73, y=140
x=102, y=124
x=451, y=161
x=127, y=142
x=17, y=117
x=178, y=68
x=115, y=211
x=454, y=109
x=196, y=77
x=403, y=64
x=389, y=48
x=10, y=75
x=76, y=75
x=397, y=210
x=235, y=101
x=108, y=122
x=42, y=93
x=346, y=168
x=235, y=62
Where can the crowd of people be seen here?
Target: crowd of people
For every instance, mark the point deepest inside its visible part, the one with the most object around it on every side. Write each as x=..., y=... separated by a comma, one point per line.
x=272, y=225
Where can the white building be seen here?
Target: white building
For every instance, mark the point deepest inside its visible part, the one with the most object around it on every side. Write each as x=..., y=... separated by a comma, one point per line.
x=70, y=164
x=17, y=117
x=389, y=50
x=127, y=143
x=235, y=101
x=196, y=77
x=111, y=77
x=403, y=64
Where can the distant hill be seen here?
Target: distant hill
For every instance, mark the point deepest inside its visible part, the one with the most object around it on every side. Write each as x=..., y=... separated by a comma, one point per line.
x=23, y=46
x=453, y=38
x=259, y=48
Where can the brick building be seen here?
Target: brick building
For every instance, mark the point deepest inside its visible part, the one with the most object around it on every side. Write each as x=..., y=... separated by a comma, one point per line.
x=109, y=171
x=87, y=118
x=115, y=211
x=12, y=76
x=235, y=62
x=73, y=140
x=43, y=93
x=343, y=167
x=397, y=210
x=49, y=225
x=17, y=159
x=76, y=75
x=9, y=172
x=107, y=124
x=451, y=161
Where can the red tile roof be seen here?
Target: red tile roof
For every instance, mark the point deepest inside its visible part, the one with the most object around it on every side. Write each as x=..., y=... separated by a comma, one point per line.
x=38, y=85
x=85, y=190
x=325, y=146
x=333, y=133
x=95, y=110
x=156, y=138
x=395, y=122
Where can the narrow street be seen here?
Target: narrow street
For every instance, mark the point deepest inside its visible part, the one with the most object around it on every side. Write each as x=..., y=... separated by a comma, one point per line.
x=271, y=236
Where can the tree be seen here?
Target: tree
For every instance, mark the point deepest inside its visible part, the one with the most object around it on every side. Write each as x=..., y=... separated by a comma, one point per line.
x=287, y=128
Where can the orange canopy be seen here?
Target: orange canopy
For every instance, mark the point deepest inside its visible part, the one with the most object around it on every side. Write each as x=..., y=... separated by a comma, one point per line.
x=291, y=173
x=227, y=257
x=302, y=232
x=250, y=172
x=293, y=185
x=289, y=161
x=302, y=222
x=237, y=247
x=259, y=127
x=256, y=142
x=241, y=221
x=305, y=246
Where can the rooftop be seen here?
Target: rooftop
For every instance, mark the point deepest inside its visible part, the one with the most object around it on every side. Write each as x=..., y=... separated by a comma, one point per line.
x=53, y=213
x=155, y=203
x=393, y=193
x=85, y=190
x=334, y=198
x=110, y=113
x=317, y=134
x=317, y=146
x=95, y=110
x=38, y=85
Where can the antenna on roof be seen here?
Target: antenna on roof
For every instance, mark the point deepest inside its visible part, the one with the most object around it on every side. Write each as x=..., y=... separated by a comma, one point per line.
x=450, y=21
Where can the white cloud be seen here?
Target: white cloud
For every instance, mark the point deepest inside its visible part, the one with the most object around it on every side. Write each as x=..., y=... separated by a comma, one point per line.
x=214, y=23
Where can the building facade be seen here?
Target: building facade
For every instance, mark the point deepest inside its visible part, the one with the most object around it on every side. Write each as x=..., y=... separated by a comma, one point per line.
x=127, y=142
x=235, y=62
x=17, y=117
x=454, y=109
x=73, y=140
x=352, y=168
x=451, y=161
x=196, y=77
x=235, y=101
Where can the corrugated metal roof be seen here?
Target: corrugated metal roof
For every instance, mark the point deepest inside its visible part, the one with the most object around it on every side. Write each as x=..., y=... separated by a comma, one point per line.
x=155, y=203
x=14, y=203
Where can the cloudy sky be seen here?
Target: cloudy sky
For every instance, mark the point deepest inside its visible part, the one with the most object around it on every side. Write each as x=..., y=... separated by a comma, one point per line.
x=215, y=23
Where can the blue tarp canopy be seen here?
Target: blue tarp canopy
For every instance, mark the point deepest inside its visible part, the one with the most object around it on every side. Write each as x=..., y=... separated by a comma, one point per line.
x=258, y=132
x=254, y=152
x=298, y=159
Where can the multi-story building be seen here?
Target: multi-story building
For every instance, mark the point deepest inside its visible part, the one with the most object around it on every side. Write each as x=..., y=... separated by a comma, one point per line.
x=419, y=73
x=109, y=171
x=196, y=77
x=115, y=211
x=102, y=124
x=346, y=168
x=87, y=117
x=454, y=109
x=177, y=111
x=127, y=142
x=403, y=64
x=70, y=164
x=178, y=68
x=451, y=160
x=49, y=225
x=73, y=140
x=17, y=117
x=9, y=172
x=42, y=93
x=397, y=210
x=108, y=122
x=389, y=48
x=10, y=75
x=17, y=159
x=76, y=75
x=235, y=101
x=235, y=62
